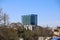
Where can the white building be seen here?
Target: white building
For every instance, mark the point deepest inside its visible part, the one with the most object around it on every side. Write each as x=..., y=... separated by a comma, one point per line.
x=30, y=27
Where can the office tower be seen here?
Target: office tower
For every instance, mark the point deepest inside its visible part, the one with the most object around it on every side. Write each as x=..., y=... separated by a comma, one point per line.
x=29, y=19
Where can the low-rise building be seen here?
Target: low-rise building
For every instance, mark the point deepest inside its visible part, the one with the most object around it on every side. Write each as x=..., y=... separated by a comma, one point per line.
x=30, y=27
x=56, y=32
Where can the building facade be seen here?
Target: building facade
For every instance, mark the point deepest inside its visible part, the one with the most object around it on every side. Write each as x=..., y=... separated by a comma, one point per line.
x=29, y=19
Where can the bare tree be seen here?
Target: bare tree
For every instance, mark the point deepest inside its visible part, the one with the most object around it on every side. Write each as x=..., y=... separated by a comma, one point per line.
x=3, y=18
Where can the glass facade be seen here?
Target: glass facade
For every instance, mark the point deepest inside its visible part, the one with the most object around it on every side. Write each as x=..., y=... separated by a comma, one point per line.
x=29, y=19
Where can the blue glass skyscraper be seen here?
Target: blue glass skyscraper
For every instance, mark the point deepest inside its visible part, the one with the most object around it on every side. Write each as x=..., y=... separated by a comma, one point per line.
x=29, y=19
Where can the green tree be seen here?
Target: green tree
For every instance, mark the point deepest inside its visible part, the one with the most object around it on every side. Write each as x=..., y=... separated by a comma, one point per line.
x=12, y=34
x=20, y=31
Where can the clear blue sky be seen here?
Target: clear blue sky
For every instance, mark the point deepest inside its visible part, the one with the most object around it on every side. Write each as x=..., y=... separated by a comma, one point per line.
x=48, y=11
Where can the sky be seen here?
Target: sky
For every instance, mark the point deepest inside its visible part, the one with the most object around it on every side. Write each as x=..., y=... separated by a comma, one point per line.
x=48, y=11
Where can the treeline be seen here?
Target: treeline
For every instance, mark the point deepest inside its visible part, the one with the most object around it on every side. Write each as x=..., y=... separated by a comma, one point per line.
x=9, y=33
